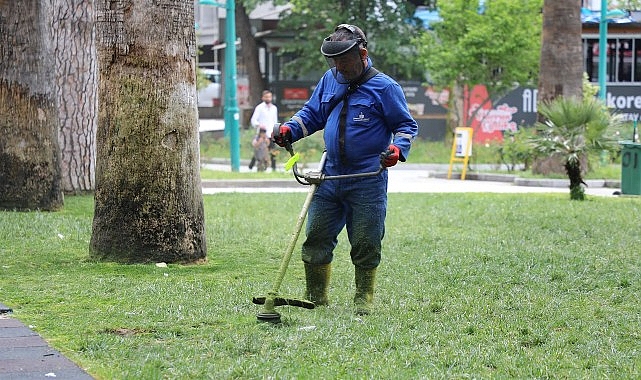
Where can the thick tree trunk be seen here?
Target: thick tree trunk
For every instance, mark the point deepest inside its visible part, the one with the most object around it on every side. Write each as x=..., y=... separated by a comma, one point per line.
x=559, y=74
x=249, y=54
x=29, y=150
x=76, y=73
x=148, y=199
x=561, y=49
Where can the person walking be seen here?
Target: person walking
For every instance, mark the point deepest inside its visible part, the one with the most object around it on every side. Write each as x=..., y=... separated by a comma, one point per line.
x=363, y=113
x=265, y=116
x=261, y=150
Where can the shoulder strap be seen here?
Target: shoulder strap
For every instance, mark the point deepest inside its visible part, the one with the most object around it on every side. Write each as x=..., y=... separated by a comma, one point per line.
x=342, y=122
x=371, y=73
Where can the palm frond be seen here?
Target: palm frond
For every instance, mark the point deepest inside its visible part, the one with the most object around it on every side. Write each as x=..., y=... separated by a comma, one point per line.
x=574, y=126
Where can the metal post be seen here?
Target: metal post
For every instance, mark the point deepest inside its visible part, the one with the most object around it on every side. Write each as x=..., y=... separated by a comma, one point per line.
x=603, y=49
x=231, y=101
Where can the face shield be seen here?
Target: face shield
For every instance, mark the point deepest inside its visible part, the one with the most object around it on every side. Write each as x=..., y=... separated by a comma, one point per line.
x=344, y=56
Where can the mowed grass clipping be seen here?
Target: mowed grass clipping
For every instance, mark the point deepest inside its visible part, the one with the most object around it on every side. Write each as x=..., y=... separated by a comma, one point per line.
x=471, y=286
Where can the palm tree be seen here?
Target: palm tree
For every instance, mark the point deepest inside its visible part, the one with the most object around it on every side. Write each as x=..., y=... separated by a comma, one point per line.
x=571, y=129
x=148, y=197
x=76, y=88
x=30, y=175
x=561, y=48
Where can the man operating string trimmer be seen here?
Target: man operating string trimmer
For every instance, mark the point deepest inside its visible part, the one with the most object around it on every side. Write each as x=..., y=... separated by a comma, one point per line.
x=363, y=113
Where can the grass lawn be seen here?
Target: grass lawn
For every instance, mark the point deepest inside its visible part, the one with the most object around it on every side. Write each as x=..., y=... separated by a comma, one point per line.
x=471, y=286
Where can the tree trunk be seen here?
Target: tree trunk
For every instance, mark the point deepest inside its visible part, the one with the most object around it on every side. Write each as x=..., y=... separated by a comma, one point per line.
x=148, y=198
x=76, y=73
x=573, y=169
x=249, y=54
x=561, y=49
x=29, y=150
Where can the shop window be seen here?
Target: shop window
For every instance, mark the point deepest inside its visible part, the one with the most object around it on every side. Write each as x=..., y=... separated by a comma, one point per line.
x=623, y=59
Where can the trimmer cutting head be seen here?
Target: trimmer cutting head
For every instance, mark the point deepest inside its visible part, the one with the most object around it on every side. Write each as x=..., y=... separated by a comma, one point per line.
x=270, y=315
x=279, y=301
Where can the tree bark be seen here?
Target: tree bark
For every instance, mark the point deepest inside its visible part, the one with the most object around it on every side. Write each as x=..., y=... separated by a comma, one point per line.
x=249, y=54
x=561, y=50
x=148, y=198
x=576, y=180
x=76, y=79
x=29, y=150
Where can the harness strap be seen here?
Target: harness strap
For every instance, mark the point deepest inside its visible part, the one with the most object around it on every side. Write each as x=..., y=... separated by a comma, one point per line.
x=342, y=120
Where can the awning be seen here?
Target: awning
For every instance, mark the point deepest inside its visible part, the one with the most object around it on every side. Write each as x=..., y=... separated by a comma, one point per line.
x=613, y=16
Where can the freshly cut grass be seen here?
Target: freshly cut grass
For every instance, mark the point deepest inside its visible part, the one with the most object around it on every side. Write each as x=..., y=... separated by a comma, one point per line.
x=471, y=286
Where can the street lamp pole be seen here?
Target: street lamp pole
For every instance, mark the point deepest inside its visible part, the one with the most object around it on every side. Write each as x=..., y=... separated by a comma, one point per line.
x=603, y=47
x=231, y=101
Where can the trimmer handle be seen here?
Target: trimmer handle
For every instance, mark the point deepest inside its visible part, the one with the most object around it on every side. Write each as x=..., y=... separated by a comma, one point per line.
x=289, y=148
x=288, y=144
x=316, y=177
x=384, y=155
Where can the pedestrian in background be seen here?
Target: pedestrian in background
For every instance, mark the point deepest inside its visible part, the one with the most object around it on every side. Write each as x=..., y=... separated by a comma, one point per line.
x=265, y=116
x=261, y=150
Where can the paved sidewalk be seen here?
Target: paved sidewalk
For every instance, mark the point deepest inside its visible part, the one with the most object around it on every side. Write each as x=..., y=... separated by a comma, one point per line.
x=418, y=178
x=24, y=355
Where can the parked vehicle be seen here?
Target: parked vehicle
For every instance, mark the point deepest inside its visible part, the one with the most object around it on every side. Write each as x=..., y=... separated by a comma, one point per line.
x=210, y=96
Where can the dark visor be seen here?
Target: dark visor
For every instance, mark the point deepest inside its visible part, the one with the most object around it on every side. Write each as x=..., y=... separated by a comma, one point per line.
x=332, y=49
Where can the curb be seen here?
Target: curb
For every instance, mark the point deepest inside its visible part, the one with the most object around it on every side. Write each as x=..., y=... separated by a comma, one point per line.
x=432, y=170
x=249, y=183
x=505, y=178
x=531, y=182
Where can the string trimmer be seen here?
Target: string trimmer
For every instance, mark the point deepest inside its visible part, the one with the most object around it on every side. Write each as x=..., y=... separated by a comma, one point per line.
x=313, y=179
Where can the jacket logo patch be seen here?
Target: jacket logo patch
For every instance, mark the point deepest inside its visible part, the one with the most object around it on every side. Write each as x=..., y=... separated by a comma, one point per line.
x=361, y=118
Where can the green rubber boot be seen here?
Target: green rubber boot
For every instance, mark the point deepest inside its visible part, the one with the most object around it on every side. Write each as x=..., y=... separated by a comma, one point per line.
x=363, y=299
x=317, y=280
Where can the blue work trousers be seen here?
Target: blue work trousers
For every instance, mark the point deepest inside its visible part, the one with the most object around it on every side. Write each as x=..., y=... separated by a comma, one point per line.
x=360, y=204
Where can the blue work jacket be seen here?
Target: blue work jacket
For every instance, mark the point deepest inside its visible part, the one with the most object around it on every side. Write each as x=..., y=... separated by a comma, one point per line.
x=377, y=116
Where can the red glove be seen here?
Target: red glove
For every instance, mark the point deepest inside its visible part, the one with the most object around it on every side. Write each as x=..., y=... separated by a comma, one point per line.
x=282, y=135
x=391, y=156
